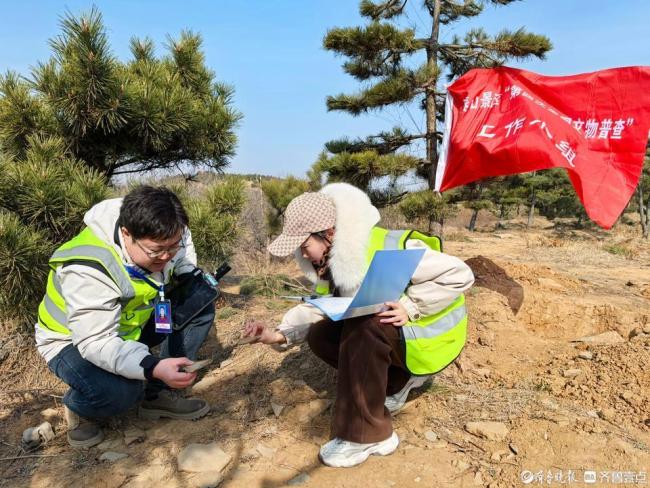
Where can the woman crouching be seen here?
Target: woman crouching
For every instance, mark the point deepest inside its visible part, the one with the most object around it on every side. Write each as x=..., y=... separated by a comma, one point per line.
x=381, y=357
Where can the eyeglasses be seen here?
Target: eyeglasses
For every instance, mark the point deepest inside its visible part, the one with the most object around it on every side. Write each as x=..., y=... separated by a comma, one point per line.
x=156, y=254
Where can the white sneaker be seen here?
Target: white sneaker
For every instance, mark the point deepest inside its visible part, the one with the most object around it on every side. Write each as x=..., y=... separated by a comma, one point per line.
x=394, y=403
x=344, y=454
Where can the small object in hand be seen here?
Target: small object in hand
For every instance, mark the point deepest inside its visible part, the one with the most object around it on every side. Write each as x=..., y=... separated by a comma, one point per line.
x=248, y=340
x=195, y=366
x=34, y=437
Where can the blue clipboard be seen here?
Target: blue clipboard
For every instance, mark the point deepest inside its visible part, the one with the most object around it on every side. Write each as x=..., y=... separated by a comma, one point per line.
x=387, y=278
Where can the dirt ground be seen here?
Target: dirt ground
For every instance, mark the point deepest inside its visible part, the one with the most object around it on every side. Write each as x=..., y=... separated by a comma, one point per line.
x=566, y=406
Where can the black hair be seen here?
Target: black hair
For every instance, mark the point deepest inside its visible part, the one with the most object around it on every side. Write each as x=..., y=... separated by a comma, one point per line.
x=152, y=213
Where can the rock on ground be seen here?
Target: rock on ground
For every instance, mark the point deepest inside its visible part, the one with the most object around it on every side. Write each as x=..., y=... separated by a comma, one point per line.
x=200, y=458
x=492, y=431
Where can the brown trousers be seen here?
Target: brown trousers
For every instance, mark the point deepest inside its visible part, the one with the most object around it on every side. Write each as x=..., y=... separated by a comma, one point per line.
x=371, y=364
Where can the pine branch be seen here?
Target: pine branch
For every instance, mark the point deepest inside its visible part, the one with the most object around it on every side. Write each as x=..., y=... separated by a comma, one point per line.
x=142, y=49
x=452, y=11
x=383, y=143
x=384, y=10
x=371, y=43
x=396, y=89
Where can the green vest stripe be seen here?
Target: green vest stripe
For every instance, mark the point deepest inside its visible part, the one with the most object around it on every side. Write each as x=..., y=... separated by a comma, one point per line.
x=440, y=326
x=432, y=341
x=106, y=259
x=57, y=285
x=56, y=313
x=392, y=239
x=136, y=297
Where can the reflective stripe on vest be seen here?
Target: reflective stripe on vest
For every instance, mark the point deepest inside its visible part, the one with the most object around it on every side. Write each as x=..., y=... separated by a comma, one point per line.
x=433, y=341
x=106, y=258
x=136, y=296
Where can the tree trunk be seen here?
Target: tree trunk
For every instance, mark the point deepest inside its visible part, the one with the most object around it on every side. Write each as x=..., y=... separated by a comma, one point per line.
x=432, y=62
x=472, y=221
x=502, y=216
x=644, y=211
x=531, y=212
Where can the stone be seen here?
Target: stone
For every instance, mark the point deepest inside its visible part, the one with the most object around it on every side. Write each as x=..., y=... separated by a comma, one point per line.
x=492, y=431
x=513, y=448
x=486, y=339
x=207, y=383
x=34, y=437
x=111, y=457
x=430, y=436
x=460, y=464
x=108, y=444
x=304, y=412
x=635, y=332
x=609, y=337
x=133, y=435
x=207, y=479
x=571, y=373
x=199, y=458
x=607, y=413
x=497, y=455
x=417, y=479
x=551, y=284
x=646, y=329
x=302, y=478
x=586, y=355
x=484, y=372
x=49, y=413
x=265, y=451
x=277, y=408
x=550, y=404
x=441, y=444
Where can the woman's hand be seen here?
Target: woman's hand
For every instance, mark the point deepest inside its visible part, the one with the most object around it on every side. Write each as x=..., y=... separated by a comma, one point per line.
x=263, y=334
x=395, y=315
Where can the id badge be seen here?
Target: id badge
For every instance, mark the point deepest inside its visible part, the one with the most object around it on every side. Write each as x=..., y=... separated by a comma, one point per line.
x=163, y=317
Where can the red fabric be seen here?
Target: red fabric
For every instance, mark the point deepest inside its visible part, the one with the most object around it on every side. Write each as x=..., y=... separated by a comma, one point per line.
x=595, y=125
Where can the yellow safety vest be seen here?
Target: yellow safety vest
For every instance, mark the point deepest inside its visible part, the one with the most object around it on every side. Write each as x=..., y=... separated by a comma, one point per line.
x=137, y=296
x=433, y=341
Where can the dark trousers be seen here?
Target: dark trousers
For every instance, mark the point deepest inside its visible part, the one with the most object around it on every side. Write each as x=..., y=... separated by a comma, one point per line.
x=95, y=392
x=370, y=358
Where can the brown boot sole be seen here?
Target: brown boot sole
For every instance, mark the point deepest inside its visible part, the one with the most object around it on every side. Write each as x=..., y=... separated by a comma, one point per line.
x=93, y=441
x=155, y=414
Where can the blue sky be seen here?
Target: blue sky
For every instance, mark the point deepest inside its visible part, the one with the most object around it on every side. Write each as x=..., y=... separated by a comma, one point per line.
x=271, y=51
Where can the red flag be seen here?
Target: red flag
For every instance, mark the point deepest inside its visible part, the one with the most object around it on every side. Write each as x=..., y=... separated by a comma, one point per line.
x=503, y=121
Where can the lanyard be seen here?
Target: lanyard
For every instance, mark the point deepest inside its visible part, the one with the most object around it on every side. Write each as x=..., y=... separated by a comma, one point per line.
x=136, y=274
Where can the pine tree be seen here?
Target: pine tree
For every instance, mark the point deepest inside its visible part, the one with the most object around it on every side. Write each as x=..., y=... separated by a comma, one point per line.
x=643, y=192
x=384, y=56
x=279, y=193
x=121, y=117
x=43, y=198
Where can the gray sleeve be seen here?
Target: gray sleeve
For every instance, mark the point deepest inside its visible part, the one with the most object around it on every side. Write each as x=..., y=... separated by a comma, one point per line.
x=93, y=310
x=187, y=261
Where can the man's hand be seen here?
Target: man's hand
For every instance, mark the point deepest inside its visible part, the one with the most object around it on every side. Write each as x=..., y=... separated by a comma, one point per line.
x=395, y=315
x=167, y=371
x=264, y=334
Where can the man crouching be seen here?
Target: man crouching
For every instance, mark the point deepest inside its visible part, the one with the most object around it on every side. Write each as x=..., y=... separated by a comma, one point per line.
x=96, y=322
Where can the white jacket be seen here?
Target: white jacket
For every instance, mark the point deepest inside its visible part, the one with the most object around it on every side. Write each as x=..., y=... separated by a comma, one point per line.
x=92, y=302
x=437, y=281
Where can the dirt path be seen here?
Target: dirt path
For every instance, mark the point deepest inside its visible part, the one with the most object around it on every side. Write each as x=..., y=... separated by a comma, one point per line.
x=565, y=406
